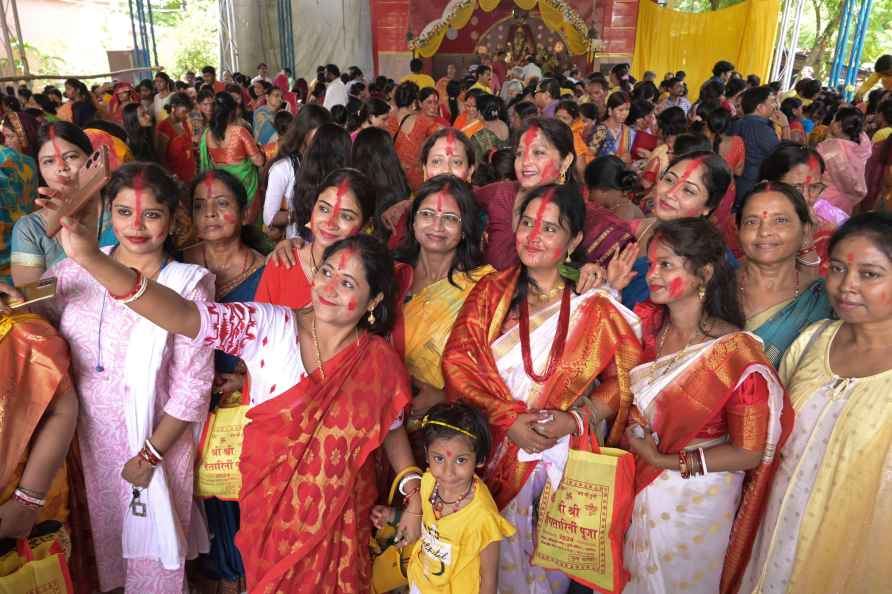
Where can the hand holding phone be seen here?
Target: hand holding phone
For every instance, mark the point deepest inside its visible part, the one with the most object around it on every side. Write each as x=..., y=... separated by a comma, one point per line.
x=31, y=293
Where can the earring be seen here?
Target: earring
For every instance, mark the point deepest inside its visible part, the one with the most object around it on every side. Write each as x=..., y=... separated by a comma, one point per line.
x=371, y=318
x=701, y=293
x=563, y=178
x=568, y=259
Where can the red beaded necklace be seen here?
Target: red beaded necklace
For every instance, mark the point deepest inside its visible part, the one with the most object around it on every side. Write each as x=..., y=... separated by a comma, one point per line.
x=557, y=347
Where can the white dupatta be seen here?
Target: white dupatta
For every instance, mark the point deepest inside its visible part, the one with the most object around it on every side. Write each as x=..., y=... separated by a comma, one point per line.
x=158, y=535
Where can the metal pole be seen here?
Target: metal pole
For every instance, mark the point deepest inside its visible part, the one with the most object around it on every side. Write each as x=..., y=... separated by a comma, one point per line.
x=18, y=33
x=6, y=43
x=233, y=47
x=858, y=45
x=794, y=44
x=781, y=42
x=152, y=29
x=841, y=43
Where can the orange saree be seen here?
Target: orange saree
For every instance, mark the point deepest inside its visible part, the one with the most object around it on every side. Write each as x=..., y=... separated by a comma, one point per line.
x=308, y=477
x=600, y=345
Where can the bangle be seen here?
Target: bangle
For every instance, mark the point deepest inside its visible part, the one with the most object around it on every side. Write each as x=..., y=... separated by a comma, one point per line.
x=405, y=511
x=26, y=500
x=683, y=464
x=580, y=427
x=148, y=455
x=143, y=285
x=137, y=282
x=409, y=495
x=153, y=450
x=406, y=479
x=703, y=469
x=399, y=477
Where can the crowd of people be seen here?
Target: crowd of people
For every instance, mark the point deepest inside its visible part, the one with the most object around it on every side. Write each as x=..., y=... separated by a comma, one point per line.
x=431, y=288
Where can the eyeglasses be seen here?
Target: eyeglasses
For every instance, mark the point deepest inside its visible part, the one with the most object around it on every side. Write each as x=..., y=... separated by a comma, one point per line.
x=428, y=216
x=810, y=189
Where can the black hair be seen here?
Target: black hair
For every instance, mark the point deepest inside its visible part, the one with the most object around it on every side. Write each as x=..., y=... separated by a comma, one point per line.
x=230, y=181
x=559, y=135
x=754, y=97
x=468, y=252
x=281, y=121
x=883, y=64
x=415, y=65
x=309, y=118
x=225, y=111
x=875, y=226
x=179, y=99
x=406, y=94
x=734, y=87
x=712, y=90
x=572, y=216
x=721, y=67
x=885, y=110
x=797, y=200
x=525, y=109
x=753, y=81
x=625, y=80
x=426, y=92
x=717, y=177
x=45, y=103
x=501, y=162
x=374, y=154
x=330, y=150
x=139, y=139
x=551, y=86
x=609, y=172
x=672, y=121
x=333, y=70
x=784, y=157
x=808, y=88
x=698, y=241
x=640, y=108
x=209, y=70
x=645, y=91
x=339, y=115
x=481, y=70
x=166, y=78
x=67, y=132
x=378, y=267
x=588, y=111
x=489, y=107
x=616, y=99
x=788, y=106
x=453, y=90
x=470, y=153
x=464, y=416
x=690, y=142
x=151, y=177
x=571, y=107
x=851, y=121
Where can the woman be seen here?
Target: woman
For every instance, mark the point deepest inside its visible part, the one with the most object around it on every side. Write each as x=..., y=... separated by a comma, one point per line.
x=778, y=297
x=218, y=208
x=62, y=149
x=524, y=349
x=373, y=113
x=613, y=136
x=568, y=112
x=804, y=169
x=671, y=122
x=329, y=150
x=443, y=251
x=281, y=175
x=81, y=105
x=123, y=94
x=140, y=132
x=715, y=124
x=493, y=133
x=643, y=122
x=18, y=189
x=826, y=521
x=708, y=409
x=410, y=128
x=141, y=400
x=343, y=206
x=375, y=155
x=20, y=132
x=203, y=113
x=174, y=139
x=258, y=93
x=610, y=183
x=305, y=523
x=429, y=100
x=792, y=108
x=164, y=90
x=264, y=128
x=543, y=155
x=228, y=146
x=692, y=186
x=845, y=154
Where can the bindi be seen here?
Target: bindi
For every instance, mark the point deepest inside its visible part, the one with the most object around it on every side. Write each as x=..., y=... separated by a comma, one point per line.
x=529, y=137
x=540, y=213
x=450, y=143
x=343, y=188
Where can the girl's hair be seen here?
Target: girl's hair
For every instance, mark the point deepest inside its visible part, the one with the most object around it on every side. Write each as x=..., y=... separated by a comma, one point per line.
x=152, y=177
x=645, y=91
x=139, y=139
x=309, y=118
x=788, y=105
x=698, y=241
x=716, y=119
x=375, y=155
x=470, y=153
x=67, y=132
x=489, y=106
x=339, y=115
x=785, y=157
x=468, y=253
x=179, y=99
x=502, y=163
x=716, y=178
x=406, y=94
x=281, y=121
x=358, y=183
x=790, y=193
x=225, y=110
x=875, y=226
x=571, y=107
x=378, y=267
x=559, y=135
x=610, y=172
x=45, y=103
x=851, y=121
x=672, y=121
x=525, y=109
x=426, y=92
x=453, y=90
x=447, y=420
x=572, y=216
x=616, y=99
x=640, y=108
x=690, y=142
x=331, y=149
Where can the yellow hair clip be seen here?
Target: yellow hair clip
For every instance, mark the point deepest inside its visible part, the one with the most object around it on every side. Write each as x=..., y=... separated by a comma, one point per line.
x=426, y=421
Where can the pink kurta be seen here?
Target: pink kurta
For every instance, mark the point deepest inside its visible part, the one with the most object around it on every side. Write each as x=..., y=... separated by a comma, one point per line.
x=183, y=391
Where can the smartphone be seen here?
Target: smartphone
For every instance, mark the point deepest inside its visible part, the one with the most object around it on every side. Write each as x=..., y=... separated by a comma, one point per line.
x=34, y=292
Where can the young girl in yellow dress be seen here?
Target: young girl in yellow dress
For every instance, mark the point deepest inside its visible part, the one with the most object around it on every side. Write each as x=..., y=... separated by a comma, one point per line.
x=461, y=525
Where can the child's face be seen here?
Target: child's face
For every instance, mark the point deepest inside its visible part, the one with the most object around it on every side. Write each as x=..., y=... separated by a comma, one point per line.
x=452, y=461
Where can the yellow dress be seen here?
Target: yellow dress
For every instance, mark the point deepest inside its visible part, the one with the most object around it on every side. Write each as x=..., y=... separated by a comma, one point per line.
x=826, y=527
x=447, y=558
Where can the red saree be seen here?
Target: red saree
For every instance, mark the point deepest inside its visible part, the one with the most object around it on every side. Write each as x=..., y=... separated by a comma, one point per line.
x=284, y=286
x=696, y=399
x=308, y=478
x=180, y=155
x=601, y=341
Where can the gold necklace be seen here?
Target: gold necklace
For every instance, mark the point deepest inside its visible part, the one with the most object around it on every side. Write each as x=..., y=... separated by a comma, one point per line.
x=318, y=351
x=540, y=297
x=666, y=368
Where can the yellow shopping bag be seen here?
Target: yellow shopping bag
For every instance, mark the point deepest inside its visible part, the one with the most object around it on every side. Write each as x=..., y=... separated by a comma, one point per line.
x=583, y=523
x=37, y=566
x=220, y=448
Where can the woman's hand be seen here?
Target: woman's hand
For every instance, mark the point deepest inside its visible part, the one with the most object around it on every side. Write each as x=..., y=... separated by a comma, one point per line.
x=78, y=235
x=555, y=424
x=591, y=275
x=646, y=448
x=619, y=270
x=8, y=293
x=16, y=520
x=391, y=217
x=285, y=252
x=138, y=472
x=382, y=515
x=408, y=530
x=522, y=434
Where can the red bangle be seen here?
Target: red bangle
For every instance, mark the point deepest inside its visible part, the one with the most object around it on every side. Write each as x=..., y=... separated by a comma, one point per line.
x=683, y=466
x=149, y=457
x=136, y=286
x=409, y=493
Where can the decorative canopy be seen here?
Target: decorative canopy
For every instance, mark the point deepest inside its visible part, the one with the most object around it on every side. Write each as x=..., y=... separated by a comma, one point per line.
x=556, y=14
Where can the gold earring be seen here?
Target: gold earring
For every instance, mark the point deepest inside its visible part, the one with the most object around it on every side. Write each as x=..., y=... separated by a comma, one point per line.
x=371, y=318
x=701, y=293
x=568, y=259
x=563, y=178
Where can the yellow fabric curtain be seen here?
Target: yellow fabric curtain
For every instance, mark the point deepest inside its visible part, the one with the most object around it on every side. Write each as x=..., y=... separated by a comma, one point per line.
x=668, y=40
